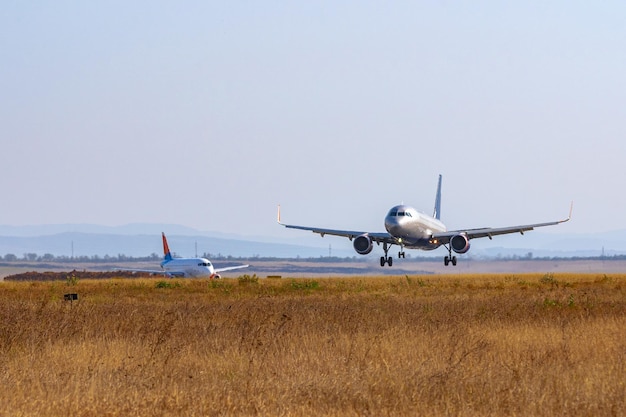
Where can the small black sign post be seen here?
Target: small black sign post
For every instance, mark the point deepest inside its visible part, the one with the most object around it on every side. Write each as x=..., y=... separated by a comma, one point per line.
x=70, y=297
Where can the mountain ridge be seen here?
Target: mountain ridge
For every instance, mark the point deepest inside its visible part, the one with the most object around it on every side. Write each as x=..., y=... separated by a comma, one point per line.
x=143, y=239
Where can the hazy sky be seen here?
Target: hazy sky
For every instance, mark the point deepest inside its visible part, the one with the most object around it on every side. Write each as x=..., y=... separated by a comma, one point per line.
x=209, y=114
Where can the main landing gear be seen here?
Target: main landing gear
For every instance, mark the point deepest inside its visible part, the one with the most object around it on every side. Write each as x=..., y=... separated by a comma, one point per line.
x=388, y=259
x=449, y=259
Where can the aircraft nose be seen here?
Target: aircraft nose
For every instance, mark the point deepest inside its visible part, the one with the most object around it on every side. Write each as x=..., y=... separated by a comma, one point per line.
x=392, y=225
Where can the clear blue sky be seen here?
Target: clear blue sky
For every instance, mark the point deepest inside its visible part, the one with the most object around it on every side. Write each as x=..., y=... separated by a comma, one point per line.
x=209, y=114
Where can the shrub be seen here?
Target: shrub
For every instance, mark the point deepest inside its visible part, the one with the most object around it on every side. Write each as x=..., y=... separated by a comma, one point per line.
x=167, y=284
x=247, y=279
x=549, y=279
x=304, y=285
x=71, y=279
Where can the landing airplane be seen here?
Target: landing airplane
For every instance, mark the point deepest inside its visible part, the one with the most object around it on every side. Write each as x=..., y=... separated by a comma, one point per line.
x=408, y=228
x=186, y=267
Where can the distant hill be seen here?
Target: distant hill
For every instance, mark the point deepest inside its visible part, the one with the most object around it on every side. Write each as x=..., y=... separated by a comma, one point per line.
x=542, y=244
x=134, y=241
x=127, y=229
x=145, y=239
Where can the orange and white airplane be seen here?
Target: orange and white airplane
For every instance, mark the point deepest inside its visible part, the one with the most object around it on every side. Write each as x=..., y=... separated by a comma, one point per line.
x=186, y=267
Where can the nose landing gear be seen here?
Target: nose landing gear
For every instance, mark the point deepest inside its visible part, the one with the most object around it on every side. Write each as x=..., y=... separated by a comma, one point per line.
x=388, y=259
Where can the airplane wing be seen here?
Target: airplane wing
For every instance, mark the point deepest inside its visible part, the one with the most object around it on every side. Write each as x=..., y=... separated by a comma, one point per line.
x=350, y=234
x=444, y=237
x=230, y=268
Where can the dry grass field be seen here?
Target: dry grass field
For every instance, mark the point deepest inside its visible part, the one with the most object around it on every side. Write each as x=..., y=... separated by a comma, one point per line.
x=463, y=345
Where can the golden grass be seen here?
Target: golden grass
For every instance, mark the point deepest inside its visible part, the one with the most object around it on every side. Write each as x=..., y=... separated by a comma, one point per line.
x=465, y=345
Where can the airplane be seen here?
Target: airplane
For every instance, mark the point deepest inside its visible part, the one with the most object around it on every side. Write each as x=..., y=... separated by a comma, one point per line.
x=408, y=228
x=186, y=267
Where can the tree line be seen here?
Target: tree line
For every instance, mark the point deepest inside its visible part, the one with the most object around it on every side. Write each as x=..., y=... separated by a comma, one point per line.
x=48, y=257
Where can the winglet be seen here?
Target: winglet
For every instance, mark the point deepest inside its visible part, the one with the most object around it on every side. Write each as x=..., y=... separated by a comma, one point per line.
x=569, y=216
x=278, y=218
x=571, y=208
x=437, y=211
x=166, y=249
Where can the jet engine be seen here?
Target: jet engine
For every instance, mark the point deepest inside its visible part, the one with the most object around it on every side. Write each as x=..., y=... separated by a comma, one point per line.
x=460, y=243
x=362, y=244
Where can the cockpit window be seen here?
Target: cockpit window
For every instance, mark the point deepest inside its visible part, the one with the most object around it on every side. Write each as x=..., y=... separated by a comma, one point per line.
x=396, y=213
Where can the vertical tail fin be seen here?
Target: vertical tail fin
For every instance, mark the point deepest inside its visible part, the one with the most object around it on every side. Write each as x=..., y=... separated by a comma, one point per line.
x=166, y=249
x=437, y=211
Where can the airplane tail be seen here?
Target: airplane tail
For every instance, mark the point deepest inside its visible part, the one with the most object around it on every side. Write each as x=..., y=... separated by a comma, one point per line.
x=437, y=211
x=166, y=249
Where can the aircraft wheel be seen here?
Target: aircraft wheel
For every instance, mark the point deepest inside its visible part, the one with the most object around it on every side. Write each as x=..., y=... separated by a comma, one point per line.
x=454, y=260
x=446, y=261
x=382, y=261
x=390, y=261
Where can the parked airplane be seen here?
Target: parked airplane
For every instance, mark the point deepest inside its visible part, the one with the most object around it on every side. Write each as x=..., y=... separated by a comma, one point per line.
x=408, y=228
x=186, y=267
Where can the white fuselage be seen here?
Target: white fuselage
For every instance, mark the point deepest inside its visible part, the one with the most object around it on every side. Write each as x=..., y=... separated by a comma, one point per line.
x=188, y=267
x=413, y=229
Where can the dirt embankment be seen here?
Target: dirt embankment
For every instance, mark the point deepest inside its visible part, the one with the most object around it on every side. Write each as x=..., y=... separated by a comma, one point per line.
x=65, y=275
